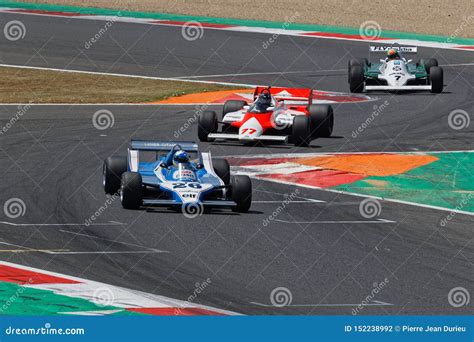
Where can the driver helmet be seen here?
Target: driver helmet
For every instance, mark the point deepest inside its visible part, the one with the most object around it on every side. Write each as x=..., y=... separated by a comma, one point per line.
x=181, y=157
x=264, y=100
x=392, y=54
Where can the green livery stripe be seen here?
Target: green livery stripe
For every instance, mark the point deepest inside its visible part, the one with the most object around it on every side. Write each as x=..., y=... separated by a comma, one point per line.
x=234, y=22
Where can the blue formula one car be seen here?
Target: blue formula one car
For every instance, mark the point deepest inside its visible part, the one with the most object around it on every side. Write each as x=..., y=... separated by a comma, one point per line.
x=176, y=175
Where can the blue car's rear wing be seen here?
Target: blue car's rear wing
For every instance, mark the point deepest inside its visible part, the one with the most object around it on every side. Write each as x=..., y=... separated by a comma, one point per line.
x=150, y=145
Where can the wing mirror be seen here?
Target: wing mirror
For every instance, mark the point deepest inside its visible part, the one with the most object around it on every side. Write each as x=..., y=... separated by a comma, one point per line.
x=199, y=166
x=409, y=61
x=163, y=165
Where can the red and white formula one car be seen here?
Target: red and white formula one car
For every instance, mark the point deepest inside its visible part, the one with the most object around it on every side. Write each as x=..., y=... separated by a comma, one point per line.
x=277, y=115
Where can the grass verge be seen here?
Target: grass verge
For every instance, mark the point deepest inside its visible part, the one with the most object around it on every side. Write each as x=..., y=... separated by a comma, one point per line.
x=43, y=86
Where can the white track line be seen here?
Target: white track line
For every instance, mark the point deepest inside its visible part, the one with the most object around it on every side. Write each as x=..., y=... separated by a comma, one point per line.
x=248, y=29
x=373, y=303
x=125, y=75
x=368, y=196
x=59, y=224
x=108, y=240
x=378, y=221
x=260, y=73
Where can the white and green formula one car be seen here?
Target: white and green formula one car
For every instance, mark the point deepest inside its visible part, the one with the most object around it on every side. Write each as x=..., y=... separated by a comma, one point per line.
x=395, y=73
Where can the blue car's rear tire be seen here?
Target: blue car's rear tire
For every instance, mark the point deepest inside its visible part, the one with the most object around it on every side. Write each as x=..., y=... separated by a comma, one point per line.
x=131, y=190
x=241, y=192
x=112, y=173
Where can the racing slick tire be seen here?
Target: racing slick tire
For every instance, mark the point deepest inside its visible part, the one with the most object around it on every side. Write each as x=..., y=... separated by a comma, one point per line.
x=301, y=130
x=112, y=173
x=322, y=120
x=131, y=190
x=356, y=79
x=222, y=169
x=207, y=123
x=356, y=61
x=429, y=63
x=241, y=192
x=436, y=79
x=232, y=106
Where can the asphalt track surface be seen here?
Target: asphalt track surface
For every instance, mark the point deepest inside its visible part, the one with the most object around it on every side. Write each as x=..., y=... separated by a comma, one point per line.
x=323, y=251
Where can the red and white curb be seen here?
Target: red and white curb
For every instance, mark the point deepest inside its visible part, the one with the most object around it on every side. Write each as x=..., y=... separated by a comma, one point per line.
x=102, y=294
x=251, y=29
